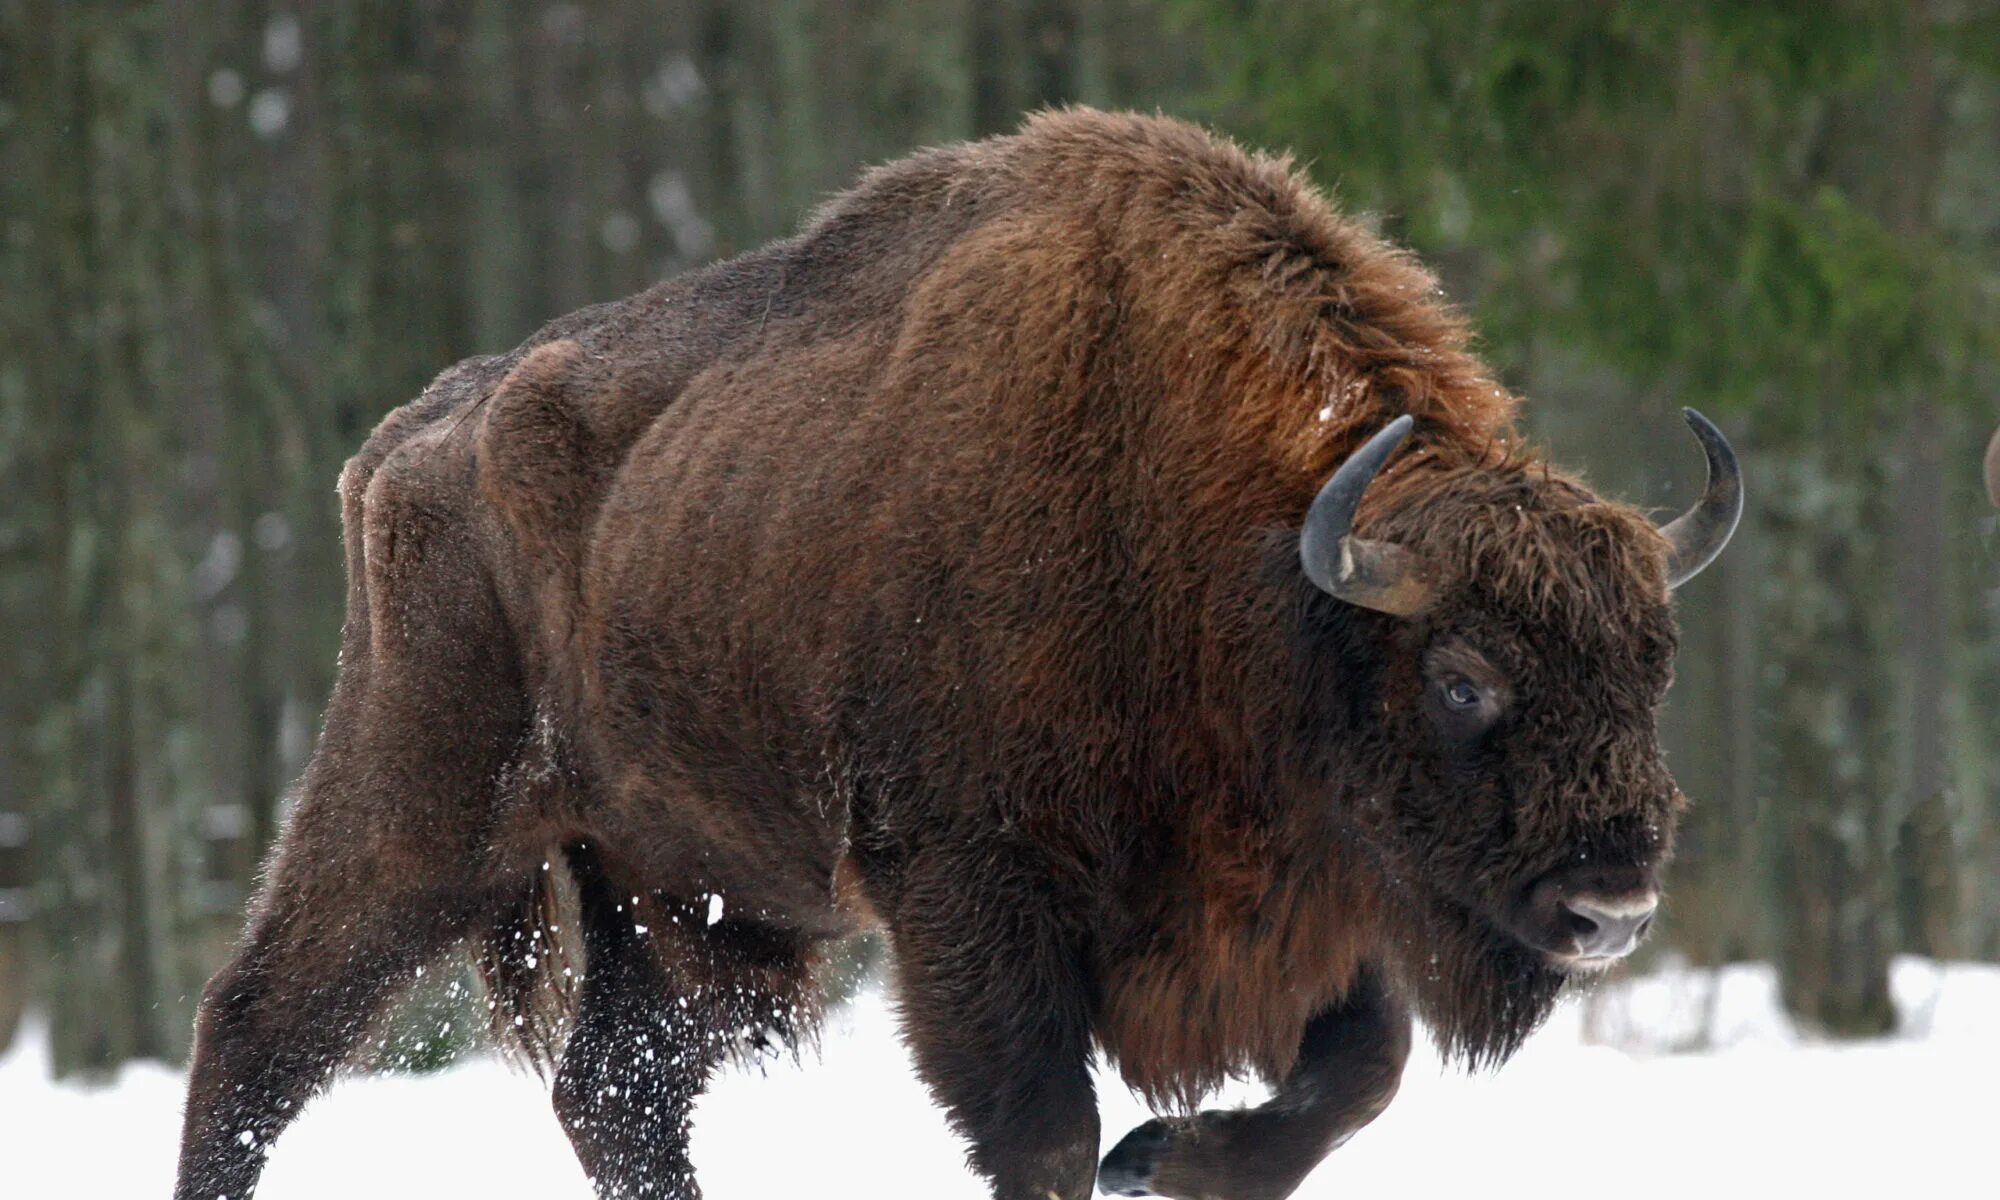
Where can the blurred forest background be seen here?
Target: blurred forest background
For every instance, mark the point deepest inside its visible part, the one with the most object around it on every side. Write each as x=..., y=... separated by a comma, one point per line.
x=234, y=233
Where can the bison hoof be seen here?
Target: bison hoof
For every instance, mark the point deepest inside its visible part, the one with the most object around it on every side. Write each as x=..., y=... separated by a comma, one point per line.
x=1128, y=1169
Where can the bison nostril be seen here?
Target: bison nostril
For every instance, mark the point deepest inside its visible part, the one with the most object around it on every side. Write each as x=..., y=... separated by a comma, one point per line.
x=1605, y=927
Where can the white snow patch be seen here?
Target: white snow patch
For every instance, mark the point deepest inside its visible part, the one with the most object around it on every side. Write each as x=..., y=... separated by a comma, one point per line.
x=1767, y=1112
x=714, y=908
x=270, y=111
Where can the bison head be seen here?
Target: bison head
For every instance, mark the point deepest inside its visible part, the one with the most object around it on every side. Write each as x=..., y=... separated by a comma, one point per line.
x=1520, y=806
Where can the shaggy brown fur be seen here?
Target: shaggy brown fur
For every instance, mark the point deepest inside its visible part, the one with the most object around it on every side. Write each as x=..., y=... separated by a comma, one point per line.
x=939, y=566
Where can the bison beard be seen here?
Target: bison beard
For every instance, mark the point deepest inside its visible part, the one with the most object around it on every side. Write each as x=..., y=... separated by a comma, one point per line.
x=1082, y=555
x=1485, y=993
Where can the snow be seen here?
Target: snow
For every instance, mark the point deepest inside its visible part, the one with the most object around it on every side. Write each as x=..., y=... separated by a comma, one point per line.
x=1762, y=1110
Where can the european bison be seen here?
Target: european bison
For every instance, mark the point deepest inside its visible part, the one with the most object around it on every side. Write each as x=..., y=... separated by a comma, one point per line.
x=962, y=568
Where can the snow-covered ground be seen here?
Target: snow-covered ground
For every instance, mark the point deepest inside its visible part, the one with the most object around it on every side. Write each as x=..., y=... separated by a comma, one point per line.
x=1762, y=1112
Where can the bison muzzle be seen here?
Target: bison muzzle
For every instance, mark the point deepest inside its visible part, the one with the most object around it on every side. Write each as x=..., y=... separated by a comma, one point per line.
x=1083, y=555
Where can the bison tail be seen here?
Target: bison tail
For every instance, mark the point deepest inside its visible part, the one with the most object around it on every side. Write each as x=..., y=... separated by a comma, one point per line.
x=530, y=967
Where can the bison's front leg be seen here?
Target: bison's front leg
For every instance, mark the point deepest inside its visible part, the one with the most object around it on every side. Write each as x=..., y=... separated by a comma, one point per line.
x=1349, y=1065
x=996, y=1014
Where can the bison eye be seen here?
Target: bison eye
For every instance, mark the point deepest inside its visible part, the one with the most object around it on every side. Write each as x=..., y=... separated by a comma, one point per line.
x=1461, y=693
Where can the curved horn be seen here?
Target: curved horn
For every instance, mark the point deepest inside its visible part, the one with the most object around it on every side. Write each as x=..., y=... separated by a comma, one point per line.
x=1700, y=533
x=1378, y=575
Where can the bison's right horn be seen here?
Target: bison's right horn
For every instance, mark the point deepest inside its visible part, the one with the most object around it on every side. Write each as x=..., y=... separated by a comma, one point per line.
x=1378, y=575
x=1700, y=533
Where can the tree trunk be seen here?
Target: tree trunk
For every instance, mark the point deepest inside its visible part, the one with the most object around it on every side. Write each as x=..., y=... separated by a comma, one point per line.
x=1830, y=736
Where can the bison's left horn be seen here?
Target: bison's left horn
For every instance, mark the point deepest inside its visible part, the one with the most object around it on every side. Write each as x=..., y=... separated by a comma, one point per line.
x=1378, y=575
x=1700, y=533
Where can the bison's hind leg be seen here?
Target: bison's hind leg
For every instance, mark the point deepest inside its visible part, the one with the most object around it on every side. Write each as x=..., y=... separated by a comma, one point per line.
x=384, y=864
x=666, y=997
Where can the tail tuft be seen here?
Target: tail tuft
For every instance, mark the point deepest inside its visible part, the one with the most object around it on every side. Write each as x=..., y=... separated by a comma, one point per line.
x=529, y=970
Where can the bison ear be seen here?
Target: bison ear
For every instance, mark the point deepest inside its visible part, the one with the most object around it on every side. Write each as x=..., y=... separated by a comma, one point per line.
x=1700, y=533
x=1379, y=575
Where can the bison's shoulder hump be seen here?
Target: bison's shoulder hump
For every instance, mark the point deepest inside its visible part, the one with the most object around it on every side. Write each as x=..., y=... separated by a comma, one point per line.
x=1206, y=245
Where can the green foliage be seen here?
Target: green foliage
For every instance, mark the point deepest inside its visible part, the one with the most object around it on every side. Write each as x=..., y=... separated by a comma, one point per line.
x=1708, y=190
x=436, y=1023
